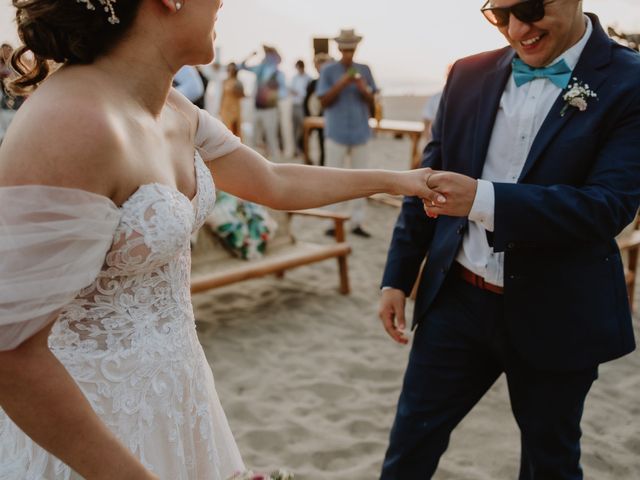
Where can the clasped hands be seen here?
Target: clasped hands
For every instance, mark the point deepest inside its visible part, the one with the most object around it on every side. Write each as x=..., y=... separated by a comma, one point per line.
x=448, y=193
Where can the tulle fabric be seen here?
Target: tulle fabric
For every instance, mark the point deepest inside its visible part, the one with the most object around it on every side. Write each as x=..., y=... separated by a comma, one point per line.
x=212, y=138
x=53, y=242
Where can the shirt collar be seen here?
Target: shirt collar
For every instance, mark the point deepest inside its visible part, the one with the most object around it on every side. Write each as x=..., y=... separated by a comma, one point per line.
x=572, y=55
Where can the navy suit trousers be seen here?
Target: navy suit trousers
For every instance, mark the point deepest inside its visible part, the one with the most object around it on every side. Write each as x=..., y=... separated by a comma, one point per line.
x=458, y=352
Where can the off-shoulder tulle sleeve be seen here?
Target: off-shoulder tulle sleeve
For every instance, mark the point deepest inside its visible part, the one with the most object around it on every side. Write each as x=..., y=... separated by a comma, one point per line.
x=213, y=138
x=53, y=242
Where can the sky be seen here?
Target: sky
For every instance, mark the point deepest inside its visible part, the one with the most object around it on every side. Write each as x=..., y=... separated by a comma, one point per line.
x=407, y=43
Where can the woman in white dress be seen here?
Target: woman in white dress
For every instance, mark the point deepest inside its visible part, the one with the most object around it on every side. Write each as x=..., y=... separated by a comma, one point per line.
x=104, y=174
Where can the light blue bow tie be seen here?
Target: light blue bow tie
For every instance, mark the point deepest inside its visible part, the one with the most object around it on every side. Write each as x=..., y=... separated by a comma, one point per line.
x=559, y=73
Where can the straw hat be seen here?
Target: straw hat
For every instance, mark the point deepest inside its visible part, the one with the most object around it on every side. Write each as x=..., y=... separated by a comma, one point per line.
x=269, y=49
x=347, y=39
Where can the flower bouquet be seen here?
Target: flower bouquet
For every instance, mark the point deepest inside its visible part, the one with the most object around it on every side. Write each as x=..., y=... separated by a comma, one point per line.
x=249, y=475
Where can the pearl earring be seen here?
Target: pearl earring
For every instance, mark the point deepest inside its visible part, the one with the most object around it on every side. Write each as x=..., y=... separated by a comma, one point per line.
x=178, y=6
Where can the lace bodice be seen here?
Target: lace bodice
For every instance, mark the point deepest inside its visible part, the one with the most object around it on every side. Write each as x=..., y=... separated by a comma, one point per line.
x=131, y=335
x=141, y=295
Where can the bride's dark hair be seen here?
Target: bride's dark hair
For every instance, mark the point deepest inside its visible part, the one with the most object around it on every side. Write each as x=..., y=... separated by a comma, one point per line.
x=63, y=32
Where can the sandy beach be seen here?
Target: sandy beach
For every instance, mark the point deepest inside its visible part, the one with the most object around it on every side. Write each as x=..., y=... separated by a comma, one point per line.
x=309, y=379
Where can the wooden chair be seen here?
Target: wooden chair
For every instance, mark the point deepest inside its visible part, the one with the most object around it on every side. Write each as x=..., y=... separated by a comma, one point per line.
x=629, y=246
x=214, y=266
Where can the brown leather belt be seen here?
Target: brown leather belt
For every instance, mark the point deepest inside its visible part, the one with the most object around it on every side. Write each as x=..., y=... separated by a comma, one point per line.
x=478, y=281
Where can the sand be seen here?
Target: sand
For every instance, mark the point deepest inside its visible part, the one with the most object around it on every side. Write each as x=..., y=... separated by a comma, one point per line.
x=309, y=380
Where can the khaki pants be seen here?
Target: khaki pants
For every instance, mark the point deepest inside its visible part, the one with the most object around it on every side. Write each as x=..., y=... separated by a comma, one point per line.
x=266, y=121
x=348, y=156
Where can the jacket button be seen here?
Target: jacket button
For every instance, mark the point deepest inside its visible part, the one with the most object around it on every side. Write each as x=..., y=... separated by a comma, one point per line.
x=511, y=245
x=443, y=270
x=512, y=277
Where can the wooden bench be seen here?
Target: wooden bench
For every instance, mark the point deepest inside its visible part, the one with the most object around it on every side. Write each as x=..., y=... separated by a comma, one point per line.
x=214, y=266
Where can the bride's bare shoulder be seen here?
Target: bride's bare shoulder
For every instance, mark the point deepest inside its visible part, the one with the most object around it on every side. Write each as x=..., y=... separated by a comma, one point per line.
x=63, y=135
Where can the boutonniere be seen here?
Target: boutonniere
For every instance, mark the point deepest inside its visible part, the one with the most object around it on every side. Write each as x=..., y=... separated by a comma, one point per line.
x=576, y=96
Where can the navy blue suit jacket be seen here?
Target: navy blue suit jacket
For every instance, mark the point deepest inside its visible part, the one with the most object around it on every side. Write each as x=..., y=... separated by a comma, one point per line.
x=564, y=291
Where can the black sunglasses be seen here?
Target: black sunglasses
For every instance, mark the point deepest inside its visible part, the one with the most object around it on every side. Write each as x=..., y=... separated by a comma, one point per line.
x=528, y=11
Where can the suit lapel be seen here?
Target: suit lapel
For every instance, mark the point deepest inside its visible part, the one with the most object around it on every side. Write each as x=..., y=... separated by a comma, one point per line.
x=597, y=52
x=491, y=91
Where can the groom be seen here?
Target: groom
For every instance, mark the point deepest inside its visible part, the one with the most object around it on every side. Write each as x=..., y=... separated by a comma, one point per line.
x=532, y=181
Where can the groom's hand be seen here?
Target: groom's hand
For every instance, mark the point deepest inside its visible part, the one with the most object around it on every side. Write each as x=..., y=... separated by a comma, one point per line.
x=391, y=313
x=458, y=189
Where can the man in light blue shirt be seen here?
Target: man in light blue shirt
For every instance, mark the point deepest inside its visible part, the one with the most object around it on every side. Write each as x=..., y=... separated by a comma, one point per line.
x=189, y=83
x=346, y=90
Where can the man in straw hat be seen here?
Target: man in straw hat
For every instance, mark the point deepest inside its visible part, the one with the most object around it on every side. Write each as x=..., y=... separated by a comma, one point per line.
x=346, y=91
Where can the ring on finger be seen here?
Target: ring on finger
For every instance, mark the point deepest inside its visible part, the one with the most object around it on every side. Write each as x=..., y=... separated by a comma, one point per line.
x=427, y=181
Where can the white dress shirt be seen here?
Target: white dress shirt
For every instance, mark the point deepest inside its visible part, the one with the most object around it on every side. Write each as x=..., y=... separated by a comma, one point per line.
x=520, y=115
x=189, y=83
x=298, y=87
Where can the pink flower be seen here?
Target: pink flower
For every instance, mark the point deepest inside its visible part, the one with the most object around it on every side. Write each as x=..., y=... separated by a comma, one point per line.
x=576, y=96
x=579, y=102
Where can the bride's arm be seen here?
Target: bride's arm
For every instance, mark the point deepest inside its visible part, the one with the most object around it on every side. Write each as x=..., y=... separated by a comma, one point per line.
x=38, y=394
x=283, y=186
x=243, y=172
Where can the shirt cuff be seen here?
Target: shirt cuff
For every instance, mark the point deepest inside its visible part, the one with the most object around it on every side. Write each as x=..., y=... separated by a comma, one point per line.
x=482, y=210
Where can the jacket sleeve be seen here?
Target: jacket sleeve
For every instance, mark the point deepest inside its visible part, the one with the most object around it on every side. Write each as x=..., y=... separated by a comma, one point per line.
x=565, y=215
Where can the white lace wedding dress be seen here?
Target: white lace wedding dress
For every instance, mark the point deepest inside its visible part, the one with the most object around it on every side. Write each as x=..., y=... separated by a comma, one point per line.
x=129, y=338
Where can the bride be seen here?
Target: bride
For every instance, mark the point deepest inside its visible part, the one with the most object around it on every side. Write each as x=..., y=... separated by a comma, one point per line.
x=104, y=174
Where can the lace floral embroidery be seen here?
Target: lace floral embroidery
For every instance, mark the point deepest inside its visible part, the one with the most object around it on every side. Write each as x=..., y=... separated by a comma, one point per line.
x=129, y=340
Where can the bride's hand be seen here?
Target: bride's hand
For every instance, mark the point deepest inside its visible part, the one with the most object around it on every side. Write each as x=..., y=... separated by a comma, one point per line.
x=414, y=183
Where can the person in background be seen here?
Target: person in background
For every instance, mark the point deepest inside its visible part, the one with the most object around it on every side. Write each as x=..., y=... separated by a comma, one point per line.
x=6, y=51
x=429, y=114
x=270, y=87
x=215, y=73
x=5, y=70
x=298, y=89
x=431, y=109
x=346, y=90
x=230, y=105
x=189, y=83
x=312, y=104
x=8, y=103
